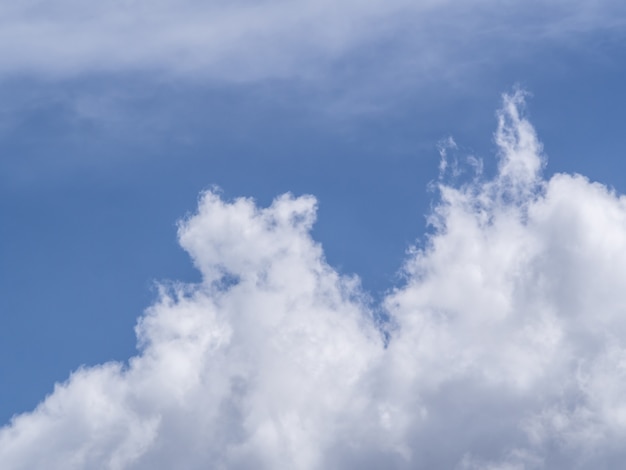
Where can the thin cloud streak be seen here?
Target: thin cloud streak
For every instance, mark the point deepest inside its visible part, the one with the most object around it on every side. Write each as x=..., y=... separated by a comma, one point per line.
x=245, y=41
x=506, y=342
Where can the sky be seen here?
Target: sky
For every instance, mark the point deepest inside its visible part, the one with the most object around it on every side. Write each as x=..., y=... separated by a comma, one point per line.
x=312, y=234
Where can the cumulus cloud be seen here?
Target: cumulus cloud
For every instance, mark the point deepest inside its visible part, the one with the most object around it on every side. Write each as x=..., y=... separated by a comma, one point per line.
x=245, y=40
x=261, y=366
x=505, y=346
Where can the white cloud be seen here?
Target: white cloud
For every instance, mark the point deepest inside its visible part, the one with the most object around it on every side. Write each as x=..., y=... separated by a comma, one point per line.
x=507, y=342
x=513, y=316
x=261, y=369
x=246, y=40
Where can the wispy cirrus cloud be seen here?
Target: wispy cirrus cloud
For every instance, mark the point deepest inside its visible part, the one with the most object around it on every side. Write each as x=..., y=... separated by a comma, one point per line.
x=245, y=41
x=505, y=347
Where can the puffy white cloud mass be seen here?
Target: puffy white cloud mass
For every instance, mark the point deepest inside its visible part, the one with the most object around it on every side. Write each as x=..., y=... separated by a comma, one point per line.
x=505, y=346
x=246, y=40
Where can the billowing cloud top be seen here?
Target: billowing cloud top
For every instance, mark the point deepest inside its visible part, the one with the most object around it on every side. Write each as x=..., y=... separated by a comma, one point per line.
x=244, y=40
x=505, y=348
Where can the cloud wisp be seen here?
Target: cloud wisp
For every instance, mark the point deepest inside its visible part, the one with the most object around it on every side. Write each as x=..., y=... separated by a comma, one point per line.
x=506, y=346
x=245, y=41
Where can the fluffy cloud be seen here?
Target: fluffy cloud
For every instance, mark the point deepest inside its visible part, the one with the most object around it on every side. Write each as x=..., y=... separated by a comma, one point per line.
x=505, y=346
x=511, y=325
x=245, y=40
x=260, y=366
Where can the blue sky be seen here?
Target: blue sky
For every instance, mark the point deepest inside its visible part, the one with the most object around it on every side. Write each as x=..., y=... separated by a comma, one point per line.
x=117, y=117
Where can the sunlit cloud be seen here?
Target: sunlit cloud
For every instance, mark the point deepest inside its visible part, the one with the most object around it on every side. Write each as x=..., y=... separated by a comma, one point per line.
x=505, y=345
